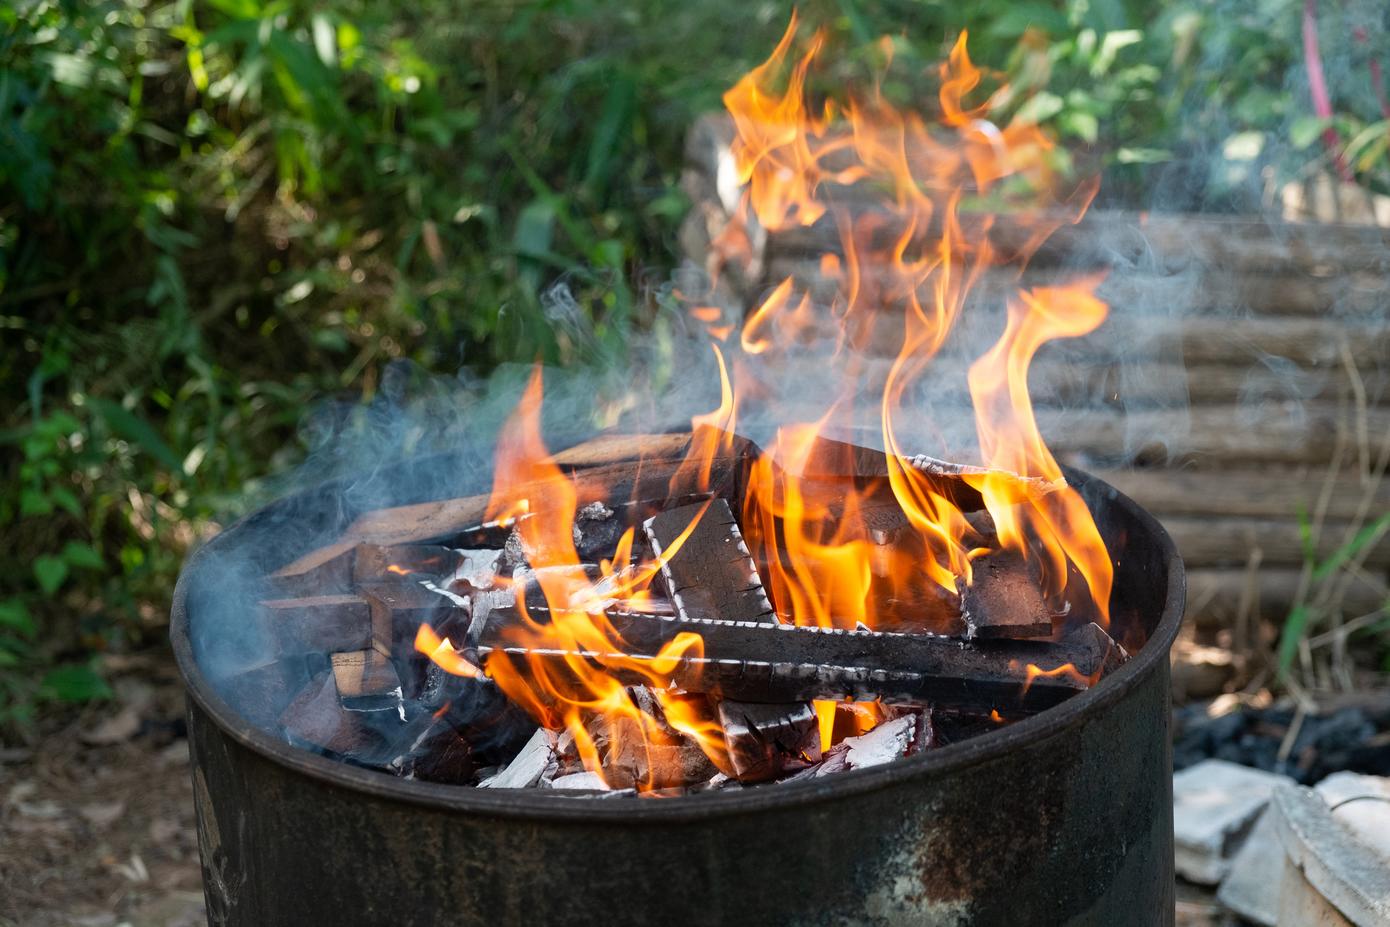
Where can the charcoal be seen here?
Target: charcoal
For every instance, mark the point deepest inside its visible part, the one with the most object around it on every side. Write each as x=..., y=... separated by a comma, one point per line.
x=478, y=568
x=581, y=780
x=711, y=576
x=597, y=531
x=514, y=552
x=781, y=663
x=761, y=738
x=650, y=754
x=319, y=624
x=1004, y=599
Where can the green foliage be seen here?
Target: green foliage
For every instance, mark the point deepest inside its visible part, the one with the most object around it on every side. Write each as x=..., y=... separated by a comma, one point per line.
x=214, y=211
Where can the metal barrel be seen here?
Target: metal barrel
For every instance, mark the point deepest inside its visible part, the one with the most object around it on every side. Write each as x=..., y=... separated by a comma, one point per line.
x=1063, y=818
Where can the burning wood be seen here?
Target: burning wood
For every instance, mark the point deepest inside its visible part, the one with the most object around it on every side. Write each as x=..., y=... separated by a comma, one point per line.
x=762, y=738
x=710, y=575
x=1004, y=600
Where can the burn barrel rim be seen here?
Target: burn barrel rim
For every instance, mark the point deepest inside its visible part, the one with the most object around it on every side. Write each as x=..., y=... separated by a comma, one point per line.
x=539, y=804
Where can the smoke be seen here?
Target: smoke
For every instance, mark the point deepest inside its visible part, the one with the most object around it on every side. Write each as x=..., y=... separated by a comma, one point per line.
x=1121, y=396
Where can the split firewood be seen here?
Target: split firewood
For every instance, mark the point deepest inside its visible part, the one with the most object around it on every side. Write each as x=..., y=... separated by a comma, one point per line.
x=335, y=568
x=318, y=624
x=528, y=766
x=711, y=575
x=399, y=607
x=1004, y=599
x=316, y=719
x=763, y=739
x=367, y=681
x=609, y=449
x=884, y=744
x=780, y=663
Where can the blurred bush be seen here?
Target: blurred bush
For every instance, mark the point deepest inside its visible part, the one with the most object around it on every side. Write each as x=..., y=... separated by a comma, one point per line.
x=213, y=212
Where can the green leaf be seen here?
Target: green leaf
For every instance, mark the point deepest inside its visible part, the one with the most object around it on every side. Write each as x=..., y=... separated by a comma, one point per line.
x=66, y=500
x=1143, y=155
x=1039, y=108
x=1305, y=130
x=1295, y=628
x=82, y=556
x=1083, y=125
x=50, y=571
x=14, y=614
x=1367, y=535
x=75, y=683
x=33, y=502
x=136, y=430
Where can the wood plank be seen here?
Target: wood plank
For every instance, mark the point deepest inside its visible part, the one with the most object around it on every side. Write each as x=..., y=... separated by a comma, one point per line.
x=1346, y=294
x=1215, y=594
x=1251, y=493
x=1204, y=436
x=1230, y=541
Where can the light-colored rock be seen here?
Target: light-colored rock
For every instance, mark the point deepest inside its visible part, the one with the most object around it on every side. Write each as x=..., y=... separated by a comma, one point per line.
x=1251, y=889
x=1362, y=805
x=1330, y=877
x=1214, y=806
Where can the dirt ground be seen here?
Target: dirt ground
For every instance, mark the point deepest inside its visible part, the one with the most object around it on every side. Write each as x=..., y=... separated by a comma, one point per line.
x=96, y=816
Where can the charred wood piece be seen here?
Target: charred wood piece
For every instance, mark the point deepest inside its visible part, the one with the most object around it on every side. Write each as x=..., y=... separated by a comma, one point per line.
x=367, y=681
x=711, y=575
x=1003, y=599
x=759, y=662
x=763, y=739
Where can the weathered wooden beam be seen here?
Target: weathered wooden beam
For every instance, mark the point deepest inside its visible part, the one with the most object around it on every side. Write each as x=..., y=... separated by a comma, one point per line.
x=1247, y=492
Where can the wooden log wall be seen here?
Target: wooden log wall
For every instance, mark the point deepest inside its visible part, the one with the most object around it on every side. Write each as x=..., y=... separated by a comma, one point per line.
x=1240, y=390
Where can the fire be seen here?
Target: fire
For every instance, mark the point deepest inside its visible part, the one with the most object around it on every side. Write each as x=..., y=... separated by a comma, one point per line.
x=1032, y=672
x=833, y=550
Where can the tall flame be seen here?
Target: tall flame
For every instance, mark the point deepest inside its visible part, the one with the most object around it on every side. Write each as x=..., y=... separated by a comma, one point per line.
x=904, y=272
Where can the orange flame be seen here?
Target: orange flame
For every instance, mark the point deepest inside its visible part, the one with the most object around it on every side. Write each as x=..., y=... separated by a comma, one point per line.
x=834, y=548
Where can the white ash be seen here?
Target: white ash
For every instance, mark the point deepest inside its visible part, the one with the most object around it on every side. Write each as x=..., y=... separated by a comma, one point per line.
x=514, y=550
x=584, y=780
x=459, y=600
x=883, y=744
x=478, y=568
x=527, y=768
